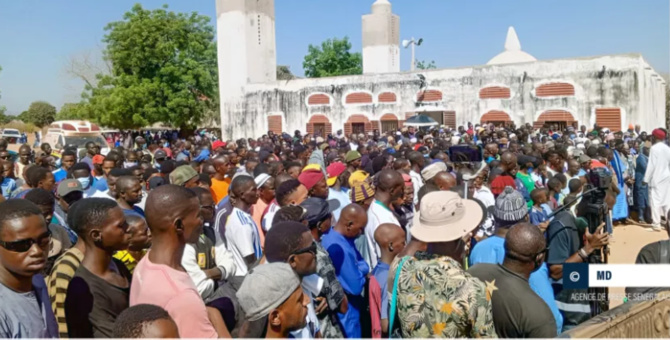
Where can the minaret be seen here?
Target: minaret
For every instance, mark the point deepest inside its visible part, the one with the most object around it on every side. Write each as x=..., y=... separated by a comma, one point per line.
x=246, y=50
x=381, y=39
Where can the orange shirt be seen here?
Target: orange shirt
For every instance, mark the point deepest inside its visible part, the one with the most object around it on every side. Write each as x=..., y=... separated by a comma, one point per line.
x=219, y=189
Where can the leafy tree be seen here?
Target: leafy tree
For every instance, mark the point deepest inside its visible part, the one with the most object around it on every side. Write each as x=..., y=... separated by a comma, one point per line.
x=163, y=64
x=423, y=65
x=73, y=111
x=284, y=73
x=332, y=58
x=41, y=113
x=23, y=116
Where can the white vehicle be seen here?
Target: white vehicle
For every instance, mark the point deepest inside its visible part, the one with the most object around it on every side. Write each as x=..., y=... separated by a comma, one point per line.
x=11, y=135
x=75, y=132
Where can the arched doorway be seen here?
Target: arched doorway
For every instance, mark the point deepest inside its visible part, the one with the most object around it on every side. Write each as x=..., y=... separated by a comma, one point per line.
x=560, y=118
x=497, y=118
x=389, y=122
x=357, y=123
x=319, y=125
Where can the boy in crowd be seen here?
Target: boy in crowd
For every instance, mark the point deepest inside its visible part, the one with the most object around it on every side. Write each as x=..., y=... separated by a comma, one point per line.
x=24, y=244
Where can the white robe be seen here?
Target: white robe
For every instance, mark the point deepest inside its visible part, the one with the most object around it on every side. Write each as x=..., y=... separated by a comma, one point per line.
x=658, y=178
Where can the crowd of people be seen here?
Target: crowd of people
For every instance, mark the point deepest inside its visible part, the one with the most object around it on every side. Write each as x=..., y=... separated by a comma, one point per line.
x=431, y=232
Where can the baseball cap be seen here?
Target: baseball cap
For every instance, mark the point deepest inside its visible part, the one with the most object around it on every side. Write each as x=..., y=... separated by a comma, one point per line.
x=318, y=209
x=444, y=216
x=68, y=186
x=335, y=169
x=160, y=154
x=266, y=288
x=310, y=177
x=182, y=174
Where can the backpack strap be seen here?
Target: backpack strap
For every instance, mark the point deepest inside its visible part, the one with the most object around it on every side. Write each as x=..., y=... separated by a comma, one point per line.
x=394, y=297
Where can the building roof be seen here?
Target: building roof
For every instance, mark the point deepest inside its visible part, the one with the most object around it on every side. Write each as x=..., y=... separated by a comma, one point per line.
x=513, y=52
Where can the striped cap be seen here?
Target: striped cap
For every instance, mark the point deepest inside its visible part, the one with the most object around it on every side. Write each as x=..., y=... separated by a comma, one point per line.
x=361, y=191
x=510, y=206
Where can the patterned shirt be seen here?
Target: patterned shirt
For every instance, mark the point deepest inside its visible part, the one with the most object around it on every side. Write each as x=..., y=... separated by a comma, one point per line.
x=437, y=298
x=332, y=291
x=57, y=283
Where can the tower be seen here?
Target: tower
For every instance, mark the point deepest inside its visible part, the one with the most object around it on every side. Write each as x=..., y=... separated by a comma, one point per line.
x=246, y=49
x=381, y=39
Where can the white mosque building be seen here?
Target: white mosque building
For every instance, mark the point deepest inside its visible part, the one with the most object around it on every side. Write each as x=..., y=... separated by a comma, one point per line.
x=611, y=90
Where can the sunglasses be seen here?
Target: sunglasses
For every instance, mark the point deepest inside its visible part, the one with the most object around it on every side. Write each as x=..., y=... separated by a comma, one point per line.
x=5, y=157
x=22, y=246
x=310, y=249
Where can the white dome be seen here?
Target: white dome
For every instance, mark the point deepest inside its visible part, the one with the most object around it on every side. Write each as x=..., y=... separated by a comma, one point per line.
x=513, y=52
x=381, y=7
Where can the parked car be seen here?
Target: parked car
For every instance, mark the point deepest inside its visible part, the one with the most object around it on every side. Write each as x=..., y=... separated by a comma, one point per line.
x=11, y=135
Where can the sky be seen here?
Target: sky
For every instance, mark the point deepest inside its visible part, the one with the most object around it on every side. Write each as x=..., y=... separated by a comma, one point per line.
x=38, y=38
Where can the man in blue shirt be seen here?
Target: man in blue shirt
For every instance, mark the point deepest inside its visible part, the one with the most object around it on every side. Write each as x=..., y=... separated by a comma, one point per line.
x=511, y=209
x=7, y=184
x=67, y=161
x=350, y=267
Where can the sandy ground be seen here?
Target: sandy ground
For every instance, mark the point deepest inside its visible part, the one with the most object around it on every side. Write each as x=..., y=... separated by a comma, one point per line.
x=627, y=242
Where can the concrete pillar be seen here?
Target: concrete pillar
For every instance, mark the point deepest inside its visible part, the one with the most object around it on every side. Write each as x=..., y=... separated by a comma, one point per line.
x=381, y=39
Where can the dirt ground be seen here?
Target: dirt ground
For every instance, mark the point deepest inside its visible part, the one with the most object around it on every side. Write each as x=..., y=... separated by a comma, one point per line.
x=627, y=242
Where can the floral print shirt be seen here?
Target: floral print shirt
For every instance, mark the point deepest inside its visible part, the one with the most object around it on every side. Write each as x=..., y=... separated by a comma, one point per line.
x=437, y=298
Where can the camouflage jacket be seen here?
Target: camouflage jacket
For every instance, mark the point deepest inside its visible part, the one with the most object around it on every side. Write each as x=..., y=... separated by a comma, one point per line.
x=437, y=298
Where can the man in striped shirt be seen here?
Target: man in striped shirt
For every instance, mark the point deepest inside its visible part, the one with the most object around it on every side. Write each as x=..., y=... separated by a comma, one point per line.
x=61, y=275
x=241, y=232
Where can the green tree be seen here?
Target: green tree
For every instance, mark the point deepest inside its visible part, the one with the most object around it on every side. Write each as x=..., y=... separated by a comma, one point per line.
x=332, y=58
x=284, y=73
x=40, y=113
x=423, y=65
x=73, y=111
x=23, y=116
x=163, y=64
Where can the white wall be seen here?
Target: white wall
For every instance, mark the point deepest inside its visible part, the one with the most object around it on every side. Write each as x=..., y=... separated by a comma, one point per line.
x=616, y=86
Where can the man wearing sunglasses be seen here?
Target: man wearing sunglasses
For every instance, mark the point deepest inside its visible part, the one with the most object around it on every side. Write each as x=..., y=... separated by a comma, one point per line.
x=24, y=246
x=517, y=311
x=291, y=242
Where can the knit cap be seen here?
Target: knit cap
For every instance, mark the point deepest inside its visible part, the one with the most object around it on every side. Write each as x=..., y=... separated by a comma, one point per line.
x=510, y=206
x=360, y=192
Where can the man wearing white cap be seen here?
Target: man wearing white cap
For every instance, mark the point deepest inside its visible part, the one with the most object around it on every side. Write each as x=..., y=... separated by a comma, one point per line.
x=446, y=223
